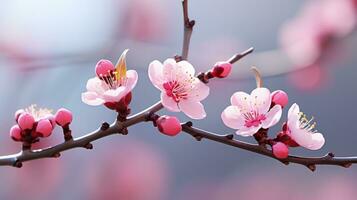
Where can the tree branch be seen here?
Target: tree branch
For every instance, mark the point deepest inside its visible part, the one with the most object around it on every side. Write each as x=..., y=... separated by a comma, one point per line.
x=188, y=27
x=309, y=162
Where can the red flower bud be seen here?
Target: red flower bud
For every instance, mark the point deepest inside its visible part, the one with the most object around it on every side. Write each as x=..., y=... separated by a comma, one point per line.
x=15, y=133
x=26, y=121
x=104, y=67
x=169, y=125
x=63, y=117
x=44, y=128
x=279, y=97
x=280, y=150
x=221, y=69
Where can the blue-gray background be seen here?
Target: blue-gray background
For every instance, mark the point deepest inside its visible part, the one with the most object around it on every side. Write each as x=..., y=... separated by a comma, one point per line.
x=168, y=168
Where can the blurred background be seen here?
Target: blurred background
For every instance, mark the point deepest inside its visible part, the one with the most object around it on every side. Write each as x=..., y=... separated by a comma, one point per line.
x=48, y=50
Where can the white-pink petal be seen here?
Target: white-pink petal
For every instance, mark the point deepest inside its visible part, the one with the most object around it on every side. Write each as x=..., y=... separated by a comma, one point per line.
x=91, y=98
x=95, y=85
x=169, y=103
x=169, y=69
x=115, y=95
x=193, y=109
x=186, y=68
x=272, y=117
x=232, y=117
x=131, y=80
x=156, y=74
x=242, y=101
x=245, y=131
x=260, y=99
x=199, y=92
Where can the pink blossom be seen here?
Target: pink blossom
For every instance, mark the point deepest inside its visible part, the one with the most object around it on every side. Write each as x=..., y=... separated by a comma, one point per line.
x=249, y=113
x=302, y=130
x=180, y=89
x=111, y=87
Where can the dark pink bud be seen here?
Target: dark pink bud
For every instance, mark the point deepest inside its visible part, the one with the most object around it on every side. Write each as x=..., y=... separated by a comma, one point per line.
x=169, y=125
x=63, y=117
x=15, y=133
x=279, y=97
x=26, y=121
x=18, y=113
x=104, y=67
x=280, y=150
x=221, y=69
x=44, y=127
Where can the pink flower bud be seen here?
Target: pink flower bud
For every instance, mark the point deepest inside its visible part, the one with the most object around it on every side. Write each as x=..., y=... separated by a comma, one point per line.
x=44, y=128
x=280, y=150
x=104, y=67
x=279, y=97
x=18, y=113
x=26, y=121
x=15, y=133
x=63, y=117
x=52, y=120
x=221, y=69
x=169, y=125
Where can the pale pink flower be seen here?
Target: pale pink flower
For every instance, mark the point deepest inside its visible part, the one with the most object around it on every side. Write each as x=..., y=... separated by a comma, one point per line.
x=302, y=130
x=249, y=113
x=111, y=87
x=180, y=89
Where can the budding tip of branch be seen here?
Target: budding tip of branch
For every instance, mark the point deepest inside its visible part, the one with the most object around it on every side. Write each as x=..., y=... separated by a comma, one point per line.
x=17, y=164
x=229, y=136
x=189, y=124
x=198, y=138
x=124, y=131
x=285, y=162
x=56, y=155
x=312, y=167
x=105, y=126
x=346, y=165
x=88, y=146
x=331, y=155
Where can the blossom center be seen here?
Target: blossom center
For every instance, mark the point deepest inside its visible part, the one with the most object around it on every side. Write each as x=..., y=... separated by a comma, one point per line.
x=111, y=80
x=307, y=124
x=253, y=118
x=175, y=90
x=38, y=113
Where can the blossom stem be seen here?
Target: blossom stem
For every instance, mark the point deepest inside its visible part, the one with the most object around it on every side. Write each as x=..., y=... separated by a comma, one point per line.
x=188, y=28
x=258, y=77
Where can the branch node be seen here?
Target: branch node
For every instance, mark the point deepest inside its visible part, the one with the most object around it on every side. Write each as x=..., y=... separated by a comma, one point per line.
x=202, y=76
x=124, y=131
x=88, y=146
x=56, y=155
x=312, y=167
x=17, y=164
x=346, y=165
x=105, y=126
x=198, y=137
x=189, y=124
x=331, y=155
x=229, y=136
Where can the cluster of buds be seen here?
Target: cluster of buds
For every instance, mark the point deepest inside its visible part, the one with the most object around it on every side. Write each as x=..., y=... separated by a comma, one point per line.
x=34, y=123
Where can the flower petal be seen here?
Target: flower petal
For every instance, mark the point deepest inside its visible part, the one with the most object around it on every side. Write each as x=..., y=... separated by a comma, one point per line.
x=115, y=95
x=245, y=131
x=186, y=68
x=95, y=85
x=156, y=73
x=169, y=103
x=169, y=69
x=260, y=99
x=232, y=117
x=132, y=79
x=293, y=110
x=272, y=117
x=92, y=98
x=318, y=141
x=242, y=101
x=199, y=92
x=193, y=109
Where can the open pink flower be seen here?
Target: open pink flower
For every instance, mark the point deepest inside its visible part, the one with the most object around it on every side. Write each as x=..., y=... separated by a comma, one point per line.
x=301, y=130
x=112, y=86
x=181, y=90
x=249, y=113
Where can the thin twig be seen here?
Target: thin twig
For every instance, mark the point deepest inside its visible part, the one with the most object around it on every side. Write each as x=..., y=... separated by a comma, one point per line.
x=310, y=162
x=188, y=27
